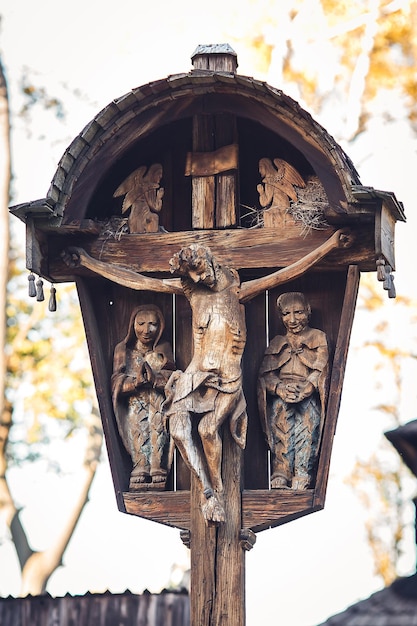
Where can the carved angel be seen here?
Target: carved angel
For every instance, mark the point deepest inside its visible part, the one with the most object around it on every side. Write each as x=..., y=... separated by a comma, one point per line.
x=143, y=196
x=279, y=179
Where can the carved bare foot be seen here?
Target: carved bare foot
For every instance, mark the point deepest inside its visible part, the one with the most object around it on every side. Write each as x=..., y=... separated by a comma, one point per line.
x=158, y=480
x=212, y=508
x=279, y=482
x=137, y=481
x=300, y=482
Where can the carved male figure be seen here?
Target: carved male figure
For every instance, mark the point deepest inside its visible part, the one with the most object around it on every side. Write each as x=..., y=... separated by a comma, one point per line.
x=210, y=390
x=292, y=394
x=141, y=369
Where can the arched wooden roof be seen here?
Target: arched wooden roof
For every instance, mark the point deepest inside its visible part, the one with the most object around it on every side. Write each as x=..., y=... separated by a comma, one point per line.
x=116, y=128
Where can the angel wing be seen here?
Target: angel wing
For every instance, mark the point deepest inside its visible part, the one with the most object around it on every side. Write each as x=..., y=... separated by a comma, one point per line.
x=132, y=187
x=287, y=178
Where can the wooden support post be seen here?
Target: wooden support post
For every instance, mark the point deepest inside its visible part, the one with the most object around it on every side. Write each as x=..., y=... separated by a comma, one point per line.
x=213, y=165
x=203, y=187
x=215, y=192
x=217, y=558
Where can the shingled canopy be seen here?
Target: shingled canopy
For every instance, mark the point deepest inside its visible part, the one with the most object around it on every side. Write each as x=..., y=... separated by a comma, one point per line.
x=103, y=147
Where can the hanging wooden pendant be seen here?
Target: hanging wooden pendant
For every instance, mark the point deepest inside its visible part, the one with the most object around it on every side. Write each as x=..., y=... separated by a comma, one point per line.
x=52, y=300
x=32, y=288
x=39, y=291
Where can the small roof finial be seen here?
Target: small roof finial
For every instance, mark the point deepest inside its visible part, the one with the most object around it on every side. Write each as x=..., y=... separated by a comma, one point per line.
x=215, y=57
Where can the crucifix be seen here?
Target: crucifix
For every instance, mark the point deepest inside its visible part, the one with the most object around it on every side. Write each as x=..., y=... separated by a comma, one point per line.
x=208, y=399
x=216, y=235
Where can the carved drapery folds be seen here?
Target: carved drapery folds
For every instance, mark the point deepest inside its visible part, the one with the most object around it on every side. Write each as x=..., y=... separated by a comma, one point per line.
x=292, y=389
x=142, y=366
x=209, y=392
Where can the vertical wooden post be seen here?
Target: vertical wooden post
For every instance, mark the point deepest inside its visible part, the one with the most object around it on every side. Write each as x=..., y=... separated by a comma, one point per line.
x=217, y=558
x=214, y=195
x=203, y=187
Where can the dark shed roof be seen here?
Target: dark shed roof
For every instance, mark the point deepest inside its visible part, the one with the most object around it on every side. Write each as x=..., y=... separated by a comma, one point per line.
x=395, y=605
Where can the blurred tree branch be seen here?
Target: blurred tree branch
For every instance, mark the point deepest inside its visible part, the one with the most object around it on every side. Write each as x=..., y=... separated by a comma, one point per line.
x=26, y=357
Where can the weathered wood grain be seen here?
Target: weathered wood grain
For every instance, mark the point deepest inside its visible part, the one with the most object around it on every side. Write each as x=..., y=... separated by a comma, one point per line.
x=229, y=605
x=203, y=187
x=217, y=558
x=384, y=235
x=203, y=562
x=241, y=249
x=119, y=463
x=226, y=182
x=203, y=194
x=262, y=509
x=171, y=508
x=336, y=382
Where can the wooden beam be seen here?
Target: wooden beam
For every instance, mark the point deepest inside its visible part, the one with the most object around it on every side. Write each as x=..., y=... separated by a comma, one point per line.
x=264, y=509
x=171, y=508
x=240, y=249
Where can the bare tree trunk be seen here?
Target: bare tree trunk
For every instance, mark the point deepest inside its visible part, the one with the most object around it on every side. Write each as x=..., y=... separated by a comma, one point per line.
x=36, y=567
x=39, y=566
x=7, y=507
x=5, y=175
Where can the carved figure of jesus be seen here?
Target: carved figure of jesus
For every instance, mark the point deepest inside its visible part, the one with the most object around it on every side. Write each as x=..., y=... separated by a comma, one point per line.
x=210, y=390
x=292, y=391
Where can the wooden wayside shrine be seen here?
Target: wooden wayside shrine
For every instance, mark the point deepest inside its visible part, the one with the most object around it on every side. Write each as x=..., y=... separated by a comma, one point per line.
x=216, y=234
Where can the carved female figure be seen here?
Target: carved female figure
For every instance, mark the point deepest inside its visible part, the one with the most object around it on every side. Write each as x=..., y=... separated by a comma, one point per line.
x=141, y=369
x=292, y=390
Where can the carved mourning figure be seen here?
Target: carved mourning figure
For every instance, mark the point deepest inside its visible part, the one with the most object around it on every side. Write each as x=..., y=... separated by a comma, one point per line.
x=209, y=392
x=141, y=369
x=292, y=390
x=277, y=188
x=143, y=196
